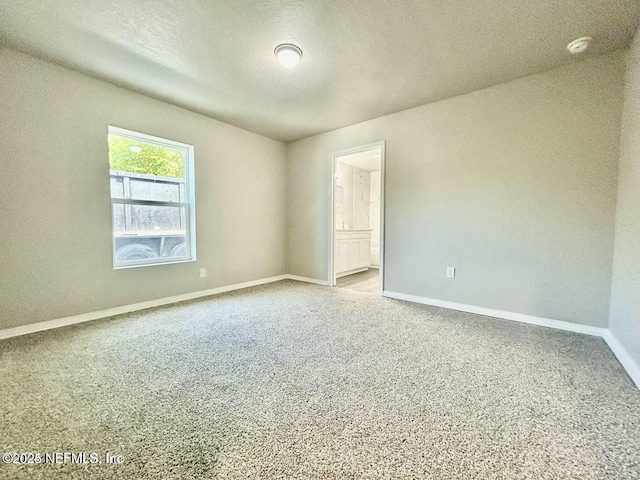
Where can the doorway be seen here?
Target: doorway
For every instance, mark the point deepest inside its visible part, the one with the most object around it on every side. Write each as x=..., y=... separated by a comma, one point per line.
x=356, y=229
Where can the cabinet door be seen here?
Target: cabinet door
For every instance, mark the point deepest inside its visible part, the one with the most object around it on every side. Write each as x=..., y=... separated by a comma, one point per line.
x=365, y=253
x=354, y=254
x=342, y=255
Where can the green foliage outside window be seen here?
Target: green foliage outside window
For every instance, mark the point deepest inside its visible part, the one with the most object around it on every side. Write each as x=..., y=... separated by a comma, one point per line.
x=138, y=157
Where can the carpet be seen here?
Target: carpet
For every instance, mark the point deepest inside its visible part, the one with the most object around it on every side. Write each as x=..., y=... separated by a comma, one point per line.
x=291, y=380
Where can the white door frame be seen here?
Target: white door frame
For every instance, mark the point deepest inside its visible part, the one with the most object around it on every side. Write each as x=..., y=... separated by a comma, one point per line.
x=332, y=186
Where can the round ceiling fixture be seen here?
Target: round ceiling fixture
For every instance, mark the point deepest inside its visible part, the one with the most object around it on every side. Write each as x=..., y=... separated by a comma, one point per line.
x=579, y=45
x=288, y=55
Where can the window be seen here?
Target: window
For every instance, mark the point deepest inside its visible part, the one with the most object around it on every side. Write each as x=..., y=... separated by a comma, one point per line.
x=152, y=199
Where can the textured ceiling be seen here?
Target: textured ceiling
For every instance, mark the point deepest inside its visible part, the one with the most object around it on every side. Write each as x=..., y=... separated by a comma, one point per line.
x=362, y=59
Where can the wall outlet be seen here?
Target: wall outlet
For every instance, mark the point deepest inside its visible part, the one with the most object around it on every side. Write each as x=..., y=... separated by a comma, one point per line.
x=203, y=272
x=451, y=272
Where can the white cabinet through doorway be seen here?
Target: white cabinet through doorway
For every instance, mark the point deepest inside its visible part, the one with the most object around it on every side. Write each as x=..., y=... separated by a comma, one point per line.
x=352, y=250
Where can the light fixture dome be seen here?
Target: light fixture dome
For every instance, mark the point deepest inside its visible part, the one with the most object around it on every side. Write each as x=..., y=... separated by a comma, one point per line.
x=288, y=55
x=579, y=45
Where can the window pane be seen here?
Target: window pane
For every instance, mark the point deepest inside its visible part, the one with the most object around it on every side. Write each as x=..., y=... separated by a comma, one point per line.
x=148, y=232
x=119, y=224
x=147, y=187
x=138, y=156
x=150, y=189
x=137, y=219
x=146, y=171
x=131, y=249
x=117, y=186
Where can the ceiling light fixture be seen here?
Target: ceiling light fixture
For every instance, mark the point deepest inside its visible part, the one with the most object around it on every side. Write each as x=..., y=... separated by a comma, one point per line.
x=288, y=55
x=579, y=45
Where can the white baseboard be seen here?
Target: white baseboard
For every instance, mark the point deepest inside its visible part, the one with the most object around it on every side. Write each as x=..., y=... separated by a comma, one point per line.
x=489, y=312
x=307, y=279
x=110, y=312
x=625, y=359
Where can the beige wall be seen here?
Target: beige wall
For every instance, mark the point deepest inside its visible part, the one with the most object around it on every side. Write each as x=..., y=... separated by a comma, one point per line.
x=624, y=321
x=55, y=211
x=514, y=185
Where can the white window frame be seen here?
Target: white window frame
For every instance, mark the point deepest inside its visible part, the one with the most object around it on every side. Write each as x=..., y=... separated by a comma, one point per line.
x=190, y=205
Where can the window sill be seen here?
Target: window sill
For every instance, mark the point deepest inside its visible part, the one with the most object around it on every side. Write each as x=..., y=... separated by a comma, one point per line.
x=156, y=264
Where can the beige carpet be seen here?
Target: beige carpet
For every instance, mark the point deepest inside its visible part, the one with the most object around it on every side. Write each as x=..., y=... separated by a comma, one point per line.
x=291, y=380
